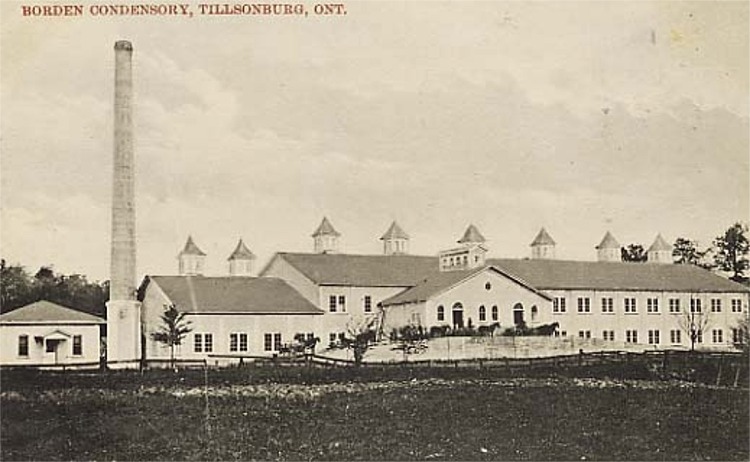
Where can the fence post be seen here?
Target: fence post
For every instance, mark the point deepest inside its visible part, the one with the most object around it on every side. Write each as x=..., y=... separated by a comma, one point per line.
x=737, y=375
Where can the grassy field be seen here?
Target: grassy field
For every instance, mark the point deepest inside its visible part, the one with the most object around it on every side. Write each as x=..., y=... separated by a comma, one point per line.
x=344, y=415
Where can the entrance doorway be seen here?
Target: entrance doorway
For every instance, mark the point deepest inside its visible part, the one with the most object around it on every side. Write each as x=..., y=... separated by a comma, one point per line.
x=52, y=346
x=518, y=314
x=458, y=315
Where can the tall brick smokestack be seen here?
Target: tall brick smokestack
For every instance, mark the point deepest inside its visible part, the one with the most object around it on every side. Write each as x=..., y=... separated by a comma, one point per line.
x=122, y=282
x=123, y=311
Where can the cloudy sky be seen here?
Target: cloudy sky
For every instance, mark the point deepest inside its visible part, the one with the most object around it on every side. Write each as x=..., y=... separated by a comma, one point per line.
x=579, y=117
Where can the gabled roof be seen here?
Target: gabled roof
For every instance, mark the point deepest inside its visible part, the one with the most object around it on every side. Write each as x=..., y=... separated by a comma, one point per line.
x=241, y=252
x=45, y=311
x=191, y=248
x=471, y=234
x=199, y=294
x=543, y=238
x=659, y=245
x=325, y=229
x=438, y=283
x=609, y=242
x=409, y=270
x=586, y=275
x=362, y=270
x=394, y=232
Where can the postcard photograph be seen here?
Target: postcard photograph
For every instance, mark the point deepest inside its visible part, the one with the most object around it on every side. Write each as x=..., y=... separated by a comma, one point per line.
x=374, y=230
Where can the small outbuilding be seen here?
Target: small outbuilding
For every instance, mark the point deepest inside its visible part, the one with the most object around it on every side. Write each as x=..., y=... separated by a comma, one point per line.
x=46, y=333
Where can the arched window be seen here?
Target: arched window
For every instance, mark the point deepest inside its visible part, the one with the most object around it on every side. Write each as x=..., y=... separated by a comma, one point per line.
x=482, y=313
x=518, y=314
x=441, y=313
x=534, y=312
x=495, y=315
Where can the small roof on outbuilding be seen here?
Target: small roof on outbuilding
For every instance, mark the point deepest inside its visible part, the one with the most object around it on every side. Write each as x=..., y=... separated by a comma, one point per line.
x=44, y=312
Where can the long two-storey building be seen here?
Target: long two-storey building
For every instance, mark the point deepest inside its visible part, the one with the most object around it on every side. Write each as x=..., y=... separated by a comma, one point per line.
x=327, y=293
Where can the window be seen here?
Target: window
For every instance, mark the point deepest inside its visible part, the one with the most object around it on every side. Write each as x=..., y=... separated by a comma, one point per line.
x=558, y=305
x=368, y=304
x=332, y=303
x=267, y=342
x=695, y=305
x=630, y=306
x=631, y=336
x=332, y=337
x=342, y=303
x=716, y=305
x=198, y=343
x=699, y=336
x=584, y=334
x=737, y=336
x=487, y=286
x=584, y=305
x=736, y=305
x=675, y=336
x=561, y=333
x=238, y=342
x=534, y=312
x=652, y=305
x=608, y=305
x=277, y=341
x=654, y=337
x=717, y=335
x=494, y=313
x=608, y=335
x=77, y=345
x=441, y=313
x=208, y=343
x=674, y=305
x=482, y=313
x=23, y=345
x=51, y=346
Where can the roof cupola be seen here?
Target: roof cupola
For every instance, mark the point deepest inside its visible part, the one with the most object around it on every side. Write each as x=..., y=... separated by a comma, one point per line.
x=192, y=259
x=241, y=261
x=543, y=246
x=326, y=238
x=395, y=240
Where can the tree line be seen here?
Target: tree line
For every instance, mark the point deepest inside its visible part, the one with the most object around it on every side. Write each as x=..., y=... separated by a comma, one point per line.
x=728, y=252
x=18, y=287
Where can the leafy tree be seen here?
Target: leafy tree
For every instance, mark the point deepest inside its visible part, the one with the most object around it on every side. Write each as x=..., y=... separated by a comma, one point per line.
x=18, y=288
x=633, y=253
x=15, y=286
x=732, y=250
x=694, y=323
x=359, y=337
x=173, y=330
x=742, y=343
x=685, y=252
